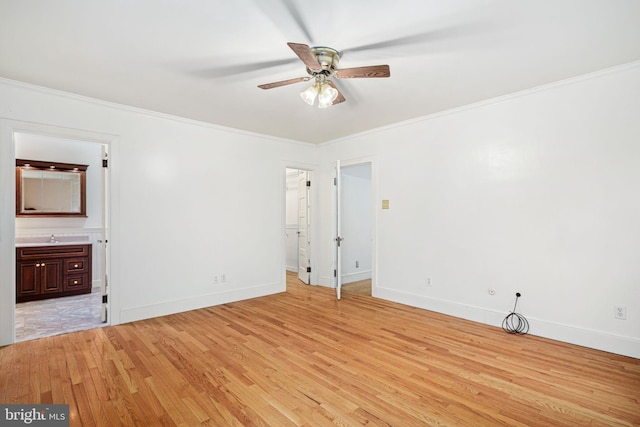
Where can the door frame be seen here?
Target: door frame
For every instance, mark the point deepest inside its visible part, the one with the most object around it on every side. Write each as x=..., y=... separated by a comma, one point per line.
x=8, y=129
x=303, y=178
x=313, y=200
x=337, y=166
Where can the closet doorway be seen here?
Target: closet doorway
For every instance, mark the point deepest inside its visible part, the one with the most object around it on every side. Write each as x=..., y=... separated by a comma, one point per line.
x=298, y=223
x=52, y=316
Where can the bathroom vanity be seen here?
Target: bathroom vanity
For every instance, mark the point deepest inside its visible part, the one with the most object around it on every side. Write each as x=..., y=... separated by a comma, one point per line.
x=51, y=267
x=50, y=270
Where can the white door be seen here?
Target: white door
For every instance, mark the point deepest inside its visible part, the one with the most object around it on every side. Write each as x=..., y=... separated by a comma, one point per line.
x=338, y=232
x=304, y=258
x=104, y=309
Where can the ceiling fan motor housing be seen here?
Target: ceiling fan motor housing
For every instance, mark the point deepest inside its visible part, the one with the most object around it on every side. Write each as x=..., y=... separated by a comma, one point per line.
x=327, y=57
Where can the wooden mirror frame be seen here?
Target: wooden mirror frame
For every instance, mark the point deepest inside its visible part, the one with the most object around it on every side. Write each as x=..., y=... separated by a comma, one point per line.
x=81, y=170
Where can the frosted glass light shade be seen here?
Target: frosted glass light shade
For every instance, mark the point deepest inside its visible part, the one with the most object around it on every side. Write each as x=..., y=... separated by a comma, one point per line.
x=309, y=94
x=327, y=95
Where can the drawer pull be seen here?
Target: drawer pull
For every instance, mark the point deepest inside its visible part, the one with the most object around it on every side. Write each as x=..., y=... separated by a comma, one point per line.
x=75, y=266
x=42, y=264
x=75, y=282
x=37, y=265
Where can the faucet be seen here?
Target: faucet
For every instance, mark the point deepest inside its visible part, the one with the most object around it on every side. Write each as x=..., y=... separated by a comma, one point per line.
x=52, y=239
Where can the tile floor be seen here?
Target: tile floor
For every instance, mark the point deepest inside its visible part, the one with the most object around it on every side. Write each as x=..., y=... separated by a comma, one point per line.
x=38, y=319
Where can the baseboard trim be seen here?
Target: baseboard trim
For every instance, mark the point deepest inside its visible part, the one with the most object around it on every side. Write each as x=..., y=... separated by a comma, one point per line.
x=222, y=296
x=356, y=277
x=598, y=340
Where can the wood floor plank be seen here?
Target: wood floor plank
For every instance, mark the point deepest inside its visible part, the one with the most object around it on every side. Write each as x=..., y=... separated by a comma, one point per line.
x=301, y=358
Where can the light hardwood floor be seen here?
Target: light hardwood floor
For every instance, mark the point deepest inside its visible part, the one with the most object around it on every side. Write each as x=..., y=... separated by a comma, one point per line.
x=302, y=358
x=361, y=287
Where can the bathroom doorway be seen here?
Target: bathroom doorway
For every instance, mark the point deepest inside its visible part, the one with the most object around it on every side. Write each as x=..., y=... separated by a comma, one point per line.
x=52, y=316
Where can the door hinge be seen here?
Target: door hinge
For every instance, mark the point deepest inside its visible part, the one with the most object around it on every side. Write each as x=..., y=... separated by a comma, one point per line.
x=105, y=299
x=308, y=269
x=335, y=273
x=335, y=181
x=309, y=184
x=105, y=163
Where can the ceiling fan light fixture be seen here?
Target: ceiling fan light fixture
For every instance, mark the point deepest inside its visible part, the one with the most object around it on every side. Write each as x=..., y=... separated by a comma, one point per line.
x=309, y=94
x=322, y=64
x=326, y=96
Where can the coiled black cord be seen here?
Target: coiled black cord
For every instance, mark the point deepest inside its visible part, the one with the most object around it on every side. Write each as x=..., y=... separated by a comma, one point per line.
x=515, y=323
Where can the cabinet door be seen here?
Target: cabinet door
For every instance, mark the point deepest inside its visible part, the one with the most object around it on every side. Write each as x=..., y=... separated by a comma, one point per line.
x=50, y=276
x=28, y=279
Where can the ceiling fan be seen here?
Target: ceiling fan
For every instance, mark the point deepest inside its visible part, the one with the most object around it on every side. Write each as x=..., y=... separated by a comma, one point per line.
x=322, y=65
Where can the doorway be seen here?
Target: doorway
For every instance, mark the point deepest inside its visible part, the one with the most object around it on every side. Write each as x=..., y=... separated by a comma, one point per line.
x=298, y=224
x=46, y=317
x=356, y=228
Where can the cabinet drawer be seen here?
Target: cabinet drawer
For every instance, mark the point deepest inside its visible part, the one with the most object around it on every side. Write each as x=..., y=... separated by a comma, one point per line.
x=57, y=251
x=76, y=282
x=76, y=265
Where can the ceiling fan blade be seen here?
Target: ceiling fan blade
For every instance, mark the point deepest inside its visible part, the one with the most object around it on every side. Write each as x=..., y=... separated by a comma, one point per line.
x=427, y=36
x=283, y=83
x=304, y=53
x=232, y=70
x=297, y=18
x=340, y=98
x=363, y=72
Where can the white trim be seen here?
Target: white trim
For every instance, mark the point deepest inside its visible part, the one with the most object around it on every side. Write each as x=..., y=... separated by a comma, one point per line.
x=7, y=234
x=598, y=340
x=487, y=102
x=165, y=308
x=356, y=277
x=145, y=112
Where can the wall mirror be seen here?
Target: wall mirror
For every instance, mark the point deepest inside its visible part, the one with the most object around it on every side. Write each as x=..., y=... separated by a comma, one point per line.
x=50, y=189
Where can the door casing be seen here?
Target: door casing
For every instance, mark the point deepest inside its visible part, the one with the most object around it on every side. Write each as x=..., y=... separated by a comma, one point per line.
x=8, y=129
x=337, y=231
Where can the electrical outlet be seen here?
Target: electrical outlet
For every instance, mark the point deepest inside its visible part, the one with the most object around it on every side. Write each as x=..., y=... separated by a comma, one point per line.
x=620, y=312
x=215, y=280
x=223, y=277
x=428, y=282
x=357, y=264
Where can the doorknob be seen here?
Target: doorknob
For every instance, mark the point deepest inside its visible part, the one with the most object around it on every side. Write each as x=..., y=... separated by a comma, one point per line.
x=339, y=240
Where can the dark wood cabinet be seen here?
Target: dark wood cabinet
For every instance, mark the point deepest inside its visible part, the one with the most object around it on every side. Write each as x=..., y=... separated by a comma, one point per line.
x=38, y=278
x=52, y=271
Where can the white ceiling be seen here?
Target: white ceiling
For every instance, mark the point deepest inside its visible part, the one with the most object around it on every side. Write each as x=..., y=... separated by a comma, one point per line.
x=203, y=59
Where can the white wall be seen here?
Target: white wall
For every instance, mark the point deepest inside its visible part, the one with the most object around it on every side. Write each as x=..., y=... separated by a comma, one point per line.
x=535, y=193
x=180, y=211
